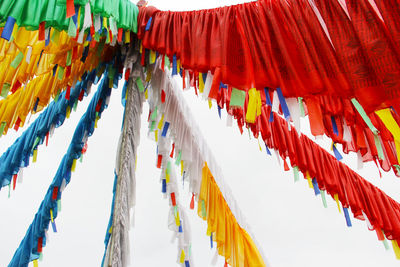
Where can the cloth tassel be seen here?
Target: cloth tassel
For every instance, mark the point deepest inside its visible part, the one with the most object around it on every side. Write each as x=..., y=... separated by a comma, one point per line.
x=347, y=216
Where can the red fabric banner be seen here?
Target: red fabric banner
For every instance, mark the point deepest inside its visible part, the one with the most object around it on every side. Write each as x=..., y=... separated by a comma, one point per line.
x=305, y=50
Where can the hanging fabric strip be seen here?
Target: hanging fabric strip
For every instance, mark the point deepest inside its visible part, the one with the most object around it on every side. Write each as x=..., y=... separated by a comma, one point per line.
x=177, y=219
x=58, y=16
x=310, y=69
x=117, y=250
x=313, y=60
x=17, y=155
x=194, y=154
x=48, y=210
x=351, y=189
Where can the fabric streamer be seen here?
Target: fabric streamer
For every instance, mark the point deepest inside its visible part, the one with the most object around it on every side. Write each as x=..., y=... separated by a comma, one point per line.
x=117, y=244
x=351, y=190
x=195, y=154
x=28, y=250
x=309, y=69
x=53, y=116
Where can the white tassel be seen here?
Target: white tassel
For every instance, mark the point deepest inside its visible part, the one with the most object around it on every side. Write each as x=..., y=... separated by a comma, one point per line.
x=346, y=132
x=187, y=79
x=20, y=175
x=52, y=127
x=81, y=35
x=113, y=26
x=207, y=85
x=47, y=237
x=97, y=22
x=294, y=110
x=275, y=102
x=63, y=184
x=88, y=18
x=28, y=54
x=370, y=227
x=229, y=121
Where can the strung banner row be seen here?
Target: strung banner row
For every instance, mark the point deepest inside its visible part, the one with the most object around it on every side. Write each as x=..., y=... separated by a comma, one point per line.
x=307, y=67
x=31, y=246
x=331, y=49
x=179, y=142
x=374, y=138
x=324, y=172
x=37, y=64
x=64, y=14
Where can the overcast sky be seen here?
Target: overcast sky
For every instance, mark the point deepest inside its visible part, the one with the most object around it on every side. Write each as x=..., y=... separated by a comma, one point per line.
x=288, y=221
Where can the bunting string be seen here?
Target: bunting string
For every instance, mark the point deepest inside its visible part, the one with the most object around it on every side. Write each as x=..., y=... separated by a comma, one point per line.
x=35, y=238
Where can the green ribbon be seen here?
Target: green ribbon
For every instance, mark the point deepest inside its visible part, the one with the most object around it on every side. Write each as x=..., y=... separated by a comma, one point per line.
x=302, y=113
x=323, y=198
x=154, y=115
x=97, y=37
x=153, y=125
x=364, y=115
x=75, y=105
x=2, y=127
x=55, y=36
x=238, y=98
x=71, y=28
x=57, y=96
x=60, y=72
x=5, y=90
x=168, y=167
x=296, y=173
x=378, y=147
x=178, y=158
x=35, y=142
x=17, y=60
x=69, y=58
x=385, y=244
x=140, y=84
x=59, y=205
x=167, y=62
x=203, y=208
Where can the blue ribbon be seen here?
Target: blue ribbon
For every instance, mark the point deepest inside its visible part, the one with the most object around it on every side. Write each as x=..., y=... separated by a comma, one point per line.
x=165, y=129
x=174, y=66
x=8, y=28
x=271, y=116
x=315, y=185
x=164, y=186
x=268, y=152
x=267, y=97
x=336, y=152
x=148, y=25
x=284, y=105
x=347, y=216
x=334, y=126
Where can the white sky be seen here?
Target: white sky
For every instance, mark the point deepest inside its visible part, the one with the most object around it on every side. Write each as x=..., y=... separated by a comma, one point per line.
x=288, y=221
